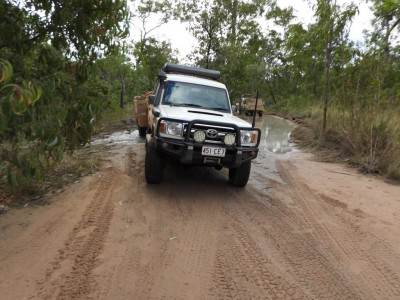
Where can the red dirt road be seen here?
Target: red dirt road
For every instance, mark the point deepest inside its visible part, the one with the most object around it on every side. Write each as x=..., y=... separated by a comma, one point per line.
x=299, y=230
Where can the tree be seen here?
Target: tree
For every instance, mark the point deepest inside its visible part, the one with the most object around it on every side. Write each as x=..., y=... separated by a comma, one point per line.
x=229, y=37
x=47, y=101
x=205, y=23
x=386, y=22
x=115, y=74
x=150, y=54
x=330, y=31
x=152, y=57
x=144, y=10
x=81, y=30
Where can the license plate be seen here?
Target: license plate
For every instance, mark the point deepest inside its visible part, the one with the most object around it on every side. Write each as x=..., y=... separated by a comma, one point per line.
x=213, y=151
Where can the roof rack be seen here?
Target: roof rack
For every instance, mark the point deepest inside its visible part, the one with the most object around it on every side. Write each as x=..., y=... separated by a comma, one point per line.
x=199, y=72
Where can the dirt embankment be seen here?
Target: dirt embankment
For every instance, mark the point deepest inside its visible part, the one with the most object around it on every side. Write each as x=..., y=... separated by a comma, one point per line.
x=299, y=230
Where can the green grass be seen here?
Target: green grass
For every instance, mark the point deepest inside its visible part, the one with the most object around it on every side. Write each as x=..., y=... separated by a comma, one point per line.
x=366, y=136
x=114, y=117
x=71, y=168
x=370, y=136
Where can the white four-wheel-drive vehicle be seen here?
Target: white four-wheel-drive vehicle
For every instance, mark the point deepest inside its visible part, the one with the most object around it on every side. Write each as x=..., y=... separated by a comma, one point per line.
x=192, y=122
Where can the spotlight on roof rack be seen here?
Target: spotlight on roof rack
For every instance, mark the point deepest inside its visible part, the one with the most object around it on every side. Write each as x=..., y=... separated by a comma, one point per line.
x=187, y=70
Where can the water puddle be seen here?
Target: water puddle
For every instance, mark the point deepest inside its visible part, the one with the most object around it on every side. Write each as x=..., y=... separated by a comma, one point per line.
x=275, y=144
x=275, y=135
x=127, y=137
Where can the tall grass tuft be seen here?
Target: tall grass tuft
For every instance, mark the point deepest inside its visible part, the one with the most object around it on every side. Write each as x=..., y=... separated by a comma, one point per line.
x=369, y=136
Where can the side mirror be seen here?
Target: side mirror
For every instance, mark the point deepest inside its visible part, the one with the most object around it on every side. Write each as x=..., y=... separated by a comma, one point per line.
x=156, y=111
x=162, y=75
x=152, y=98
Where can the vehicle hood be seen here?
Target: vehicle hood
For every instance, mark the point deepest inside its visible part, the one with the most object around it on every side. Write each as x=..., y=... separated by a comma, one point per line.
x=192, y=113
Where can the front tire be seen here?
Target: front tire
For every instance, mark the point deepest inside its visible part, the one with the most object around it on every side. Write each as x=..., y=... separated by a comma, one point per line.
x=142, y=131
x=239, y=176
x=153, y=163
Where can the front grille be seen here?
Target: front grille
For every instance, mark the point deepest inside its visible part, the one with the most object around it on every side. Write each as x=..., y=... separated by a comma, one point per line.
x=216, y=135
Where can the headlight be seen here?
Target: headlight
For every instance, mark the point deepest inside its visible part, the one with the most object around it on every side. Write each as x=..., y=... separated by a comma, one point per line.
x=174, y=129
x=248, y=137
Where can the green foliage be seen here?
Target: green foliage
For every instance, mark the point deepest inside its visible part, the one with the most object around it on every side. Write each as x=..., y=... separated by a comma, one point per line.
x=62, y=70
x=152, y=56
x=298, y=65
x=26, y=146
x=49, y=92
x=6, y=71
x=386, y=24
x=229, y=38
x=79, y=28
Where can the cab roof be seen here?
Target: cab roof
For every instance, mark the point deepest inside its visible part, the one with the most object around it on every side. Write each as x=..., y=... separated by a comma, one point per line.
x=194, y=80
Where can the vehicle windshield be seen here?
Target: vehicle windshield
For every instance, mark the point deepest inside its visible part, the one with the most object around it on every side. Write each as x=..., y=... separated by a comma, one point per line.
x=194, y=95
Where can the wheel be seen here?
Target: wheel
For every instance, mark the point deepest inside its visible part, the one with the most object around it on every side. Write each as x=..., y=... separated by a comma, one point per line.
x=142, y=131
x=239, y=176
x=153, y=168
x=260, y=114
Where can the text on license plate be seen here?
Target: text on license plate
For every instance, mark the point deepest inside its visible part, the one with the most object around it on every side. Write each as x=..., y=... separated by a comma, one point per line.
x=213, y=151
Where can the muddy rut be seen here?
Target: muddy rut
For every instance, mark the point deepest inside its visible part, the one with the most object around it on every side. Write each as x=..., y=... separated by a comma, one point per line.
x=287, y=236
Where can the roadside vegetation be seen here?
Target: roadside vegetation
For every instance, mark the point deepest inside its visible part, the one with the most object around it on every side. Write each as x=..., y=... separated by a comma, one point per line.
x=69, y=69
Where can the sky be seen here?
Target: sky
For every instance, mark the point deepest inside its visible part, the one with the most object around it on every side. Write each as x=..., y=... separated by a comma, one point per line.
x=361, y=21
x=184, y=42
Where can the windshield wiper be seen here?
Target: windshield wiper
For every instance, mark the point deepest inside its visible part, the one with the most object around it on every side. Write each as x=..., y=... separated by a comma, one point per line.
x=187, y=105
x=218, y=108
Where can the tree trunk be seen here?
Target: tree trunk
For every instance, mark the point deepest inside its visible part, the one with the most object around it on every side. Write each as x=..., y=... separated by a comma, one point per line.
x=271, y=92
x=328, y=63
x=121, y=99
x=234, y=21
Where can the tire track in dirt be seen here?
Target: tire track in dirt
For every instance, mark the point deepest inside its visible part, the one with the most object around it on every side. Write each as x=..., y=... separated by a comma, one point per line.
x=224, y=245
x=244, y=270
x=34, y=240
x=191, y=213
x=136, y=260
x=135, y=169
x=173, y=242
x=144, y=234
x=342, y=242
x=69, y=277
x=193, y=237
x=200, y=236
x=290, y=255
x=297, y=252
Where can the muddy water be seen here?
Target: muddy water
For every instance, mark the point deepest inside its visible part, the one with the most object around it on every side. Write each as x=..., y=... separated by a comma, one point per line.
x=275, y=135
x=127, y=137
x=274, y=139
x=274, y=145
